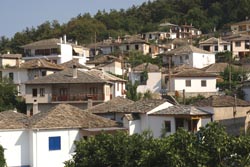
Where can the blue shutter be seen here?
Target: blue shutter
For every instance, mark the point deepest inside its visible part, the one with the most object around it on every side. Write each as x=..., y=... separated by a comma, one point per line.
x=55, y=143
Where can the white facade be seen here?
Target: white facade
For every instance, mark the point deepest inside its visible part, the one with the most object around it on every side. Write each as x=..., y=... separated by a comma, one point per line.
x=114, y=68
x=41, y=156
x=179, y=84
x=16, y=147
x=31, y=147
x=153, y=83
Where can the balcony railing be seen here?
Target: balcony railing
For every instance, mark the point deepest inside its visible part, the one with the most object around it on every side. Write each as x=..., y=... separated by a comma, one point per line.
x=77, y=97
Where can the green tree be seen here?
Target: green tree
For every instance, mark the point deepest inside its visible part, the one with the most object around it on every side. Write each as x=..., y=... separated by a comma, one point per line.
x=2, y=159
x=132, y=91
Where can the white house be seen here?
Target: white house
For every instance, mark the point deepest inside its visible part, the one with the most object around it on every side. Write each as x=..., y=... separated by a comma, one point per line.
x=8, y=59
x=189, y=55
x=107, y=63
x=29, y=70
x=162, y=117
x=47, y=139
x=148, y=76
x=215, y=45
x=55, y=50
x=190, y=80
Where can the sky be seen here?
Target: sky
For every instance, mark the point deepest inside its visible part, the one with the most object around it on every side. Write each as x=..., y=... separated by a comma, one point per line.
x=16, y=15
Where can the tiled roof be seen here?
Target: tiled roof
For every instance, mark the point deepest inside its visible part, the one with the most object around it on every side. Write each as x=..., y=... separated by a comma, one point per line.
x=181, y=110
x=112, y=106
x=242, y=22
x=11, y=56
x=218, y=67
x=13, y=120
x=66, y=76
x=104, y=75
x=146, y=66
x=103, y=60
x=214, y=40
x=68, y=116
x=142, y=106
x=193, y=72
x=41, y=43
x=41, y=64
x=75, y=62
x=186, y=49
x=221, y=101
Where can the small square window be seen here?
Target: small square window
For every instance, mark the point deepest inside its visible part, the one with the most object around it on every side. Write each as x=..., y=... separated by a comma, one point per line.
x=54, y=143
x=167, y=125
x=216, y=48
x=203, y=83
x=34, y=92
x=188, y=83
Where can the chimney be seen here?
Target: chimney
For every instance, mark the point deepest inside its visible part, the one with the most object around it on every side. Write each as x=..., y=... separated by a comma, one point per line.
x=35, y=107
x=76, y=43
x=65, y=39
x=61, y=41
x=90, y=103
x=8, y=52
x=74, y=71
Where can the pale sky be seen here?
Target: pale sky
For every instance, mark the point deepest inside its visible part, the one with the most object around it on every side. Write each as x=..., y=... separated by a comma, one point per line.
x=16, y=15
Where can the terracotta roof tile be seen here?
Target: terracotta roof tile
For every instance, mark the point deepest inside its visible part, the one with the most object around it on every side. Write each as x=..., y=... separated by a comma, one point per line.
x=221, y=101
x=66, y=76
x=146, y=66
x=13, y=120
x=181, y=110
x=186, y=49
x=68, y=116
x=114, y=106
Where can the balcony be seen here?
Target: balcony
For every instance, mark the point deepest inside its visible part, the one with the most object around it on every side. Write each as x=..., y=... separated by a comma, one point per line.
x=77, y=97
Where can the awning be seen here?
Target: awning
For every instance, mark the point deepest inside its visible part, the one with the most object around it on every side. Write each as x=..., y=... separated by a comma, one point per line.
x=78, y=50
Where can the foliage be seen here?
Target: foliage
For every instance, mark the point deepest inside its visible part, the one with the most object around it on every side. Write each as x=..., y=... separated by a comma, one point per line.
x=188, y=100
x=8, y=97
x=232, y=77
x=211, y=146
x=132, y=91
x=2, y=159
x=8, y=94
x=148, y=95
x=204, y=15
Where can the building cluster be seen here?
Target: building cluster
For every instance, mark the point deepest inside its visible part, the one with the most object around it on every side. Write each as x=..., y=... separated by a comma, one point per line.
x=73, y=91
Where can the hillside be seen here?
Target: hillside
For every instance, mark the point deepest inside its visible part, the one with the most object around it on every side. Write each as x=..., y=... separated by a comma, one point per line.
x=205, y=15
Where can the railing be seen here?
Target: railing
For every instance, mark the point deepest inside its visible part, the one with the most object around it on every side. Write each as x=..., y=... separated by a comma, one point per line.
x=77, y=97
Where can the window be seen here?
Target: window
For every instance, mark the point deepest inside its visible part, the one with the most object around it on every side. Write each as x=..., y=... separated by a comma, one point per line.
x=225, y=47
x=188, y=83
x=11, y=75
x=136, y=47
x=216, y=48
x=42, y=91
x=203, y=83
x=167, y=125
x=186, y=57
x=247, y=44
x=34, y=92
x=207, y=48
x=127, y=47
x=44, y=73
x=54, y=143
x=181, y=60
x=93, y=90
x=237, y=43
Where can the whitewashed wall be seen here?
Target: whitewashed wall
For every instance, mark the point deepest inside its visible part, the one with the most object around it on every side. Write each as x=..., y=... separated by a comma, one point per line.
x=180, y=84
x=153, y=83
x=40, y=147
x=16, y=147
x=156, y=124
x=200, y=60
x=66, y=53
